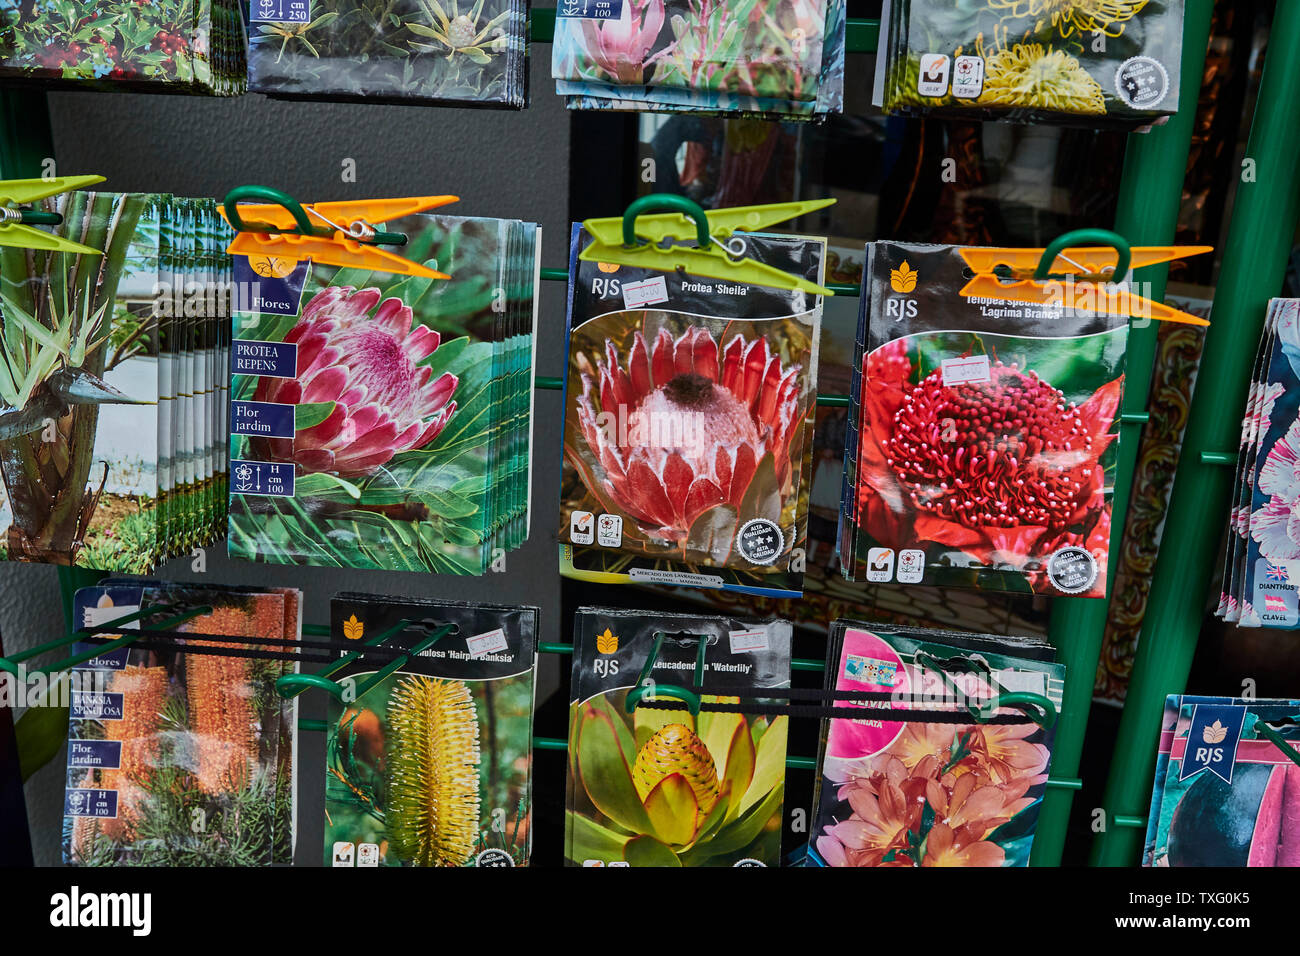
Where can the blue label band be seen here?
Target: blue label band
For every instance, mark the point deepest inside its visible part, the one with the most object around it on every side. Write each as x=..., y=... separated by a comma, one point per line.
x=112, y=661
x=103, y=754
x=280, y=11
x=261, y=419
x=271, y=359
x=1212, y=740
x=589, y=9
x=88, y=706
x=261, y=478
x=90, y=803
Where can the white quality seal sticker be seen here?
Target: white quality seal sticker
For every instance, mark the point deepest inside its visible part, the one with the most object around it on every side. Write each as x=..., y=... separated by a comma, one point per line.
x=1072, y=570
x=1141, y=82
x=760, y=541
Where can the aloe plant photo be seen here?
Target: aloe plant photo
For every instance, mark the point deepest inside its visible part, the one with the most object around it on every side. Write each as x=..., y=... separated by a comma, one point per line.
x=64, y=340
x=463, y=51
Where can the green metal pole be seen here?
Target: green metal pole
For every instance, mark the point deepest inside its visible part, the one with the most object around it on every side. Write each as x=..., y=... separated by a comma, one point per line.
x=25, y=139
x=1264, y=216
x=1150, y=194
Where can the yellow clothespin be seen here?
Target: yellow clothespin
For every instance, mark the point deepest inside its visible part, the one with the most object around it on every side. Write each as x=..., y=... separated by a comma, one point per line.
x=343, y=233
x=1075, y=277
x=634, y=239
x=16, y=224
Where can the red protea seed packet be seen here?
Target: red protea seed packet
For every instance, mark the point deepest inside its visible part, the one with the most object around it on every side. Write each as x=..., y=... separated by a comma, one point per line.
x=689, y=405
x=983, y=434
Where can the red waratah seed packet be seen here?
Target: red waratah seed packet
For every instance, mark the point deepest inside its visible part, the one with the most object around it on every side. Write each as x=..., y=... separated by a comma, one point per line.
x=983, y=434
x=689, y=407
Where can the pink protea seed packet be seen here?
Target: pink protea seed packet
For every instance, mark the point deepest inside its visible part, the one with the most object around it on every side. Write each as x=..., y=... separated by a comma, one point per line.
x=689, y=405
x=983, y=434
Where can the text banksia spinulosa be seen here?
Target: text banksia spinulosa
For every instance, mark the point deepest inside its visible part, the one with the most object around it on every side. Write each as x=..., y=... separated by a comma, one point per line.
x=432, y=813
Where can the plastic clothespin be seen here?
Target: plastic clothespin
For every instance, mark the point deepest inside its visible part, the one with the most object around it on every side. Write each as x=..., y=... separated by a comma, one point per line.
x=333, y=233
x=634, y=240
x=16, y=224
x=1093, y=274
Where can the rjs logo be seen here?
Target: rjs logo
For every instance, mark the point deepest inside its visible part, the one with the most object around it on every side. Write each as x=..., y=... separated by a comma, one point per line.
x=902, y=280
x=606, y=644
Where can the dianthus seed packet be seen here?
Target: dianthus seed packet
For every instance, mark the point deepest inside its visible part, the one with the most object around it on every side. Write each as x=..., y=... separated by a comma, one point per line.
x=1105, y=65
x=449, y=52
x=1260, y=582
x=930, y=793
x=1226, y=792
x=181, y=758
x=983, y=434
x=777, y=61
x=665, y=787
x=164, y=46
x=432, y=764
x=689, y=406
x=382, y=421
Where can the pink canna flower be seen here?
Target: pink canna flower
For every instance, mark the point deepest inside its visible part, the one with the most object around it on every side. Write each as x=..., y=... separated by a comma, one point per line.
x=368, y=364
x=683, y=427
x=619, y=48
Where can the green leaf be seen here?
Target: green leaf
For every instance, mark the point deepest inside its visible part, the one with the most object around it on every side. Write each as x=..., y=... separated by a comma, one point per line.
x=320, y=484
x=769, y=763
x=41, y=731
x=311, y=413
x=605, y=772
x=647, y=851
x=588, y=840
x=673, y=810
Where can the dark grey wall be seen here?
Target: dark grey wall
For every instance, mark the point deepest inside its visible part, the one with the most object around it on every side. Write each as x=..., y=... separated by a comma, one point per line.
x=506, y=164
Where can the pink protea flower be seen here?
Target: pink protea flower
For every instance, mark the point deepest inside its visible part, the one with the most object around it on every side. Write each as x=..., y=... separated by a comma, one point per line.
x=619, y=48
x=683, y=427
x=368, y=365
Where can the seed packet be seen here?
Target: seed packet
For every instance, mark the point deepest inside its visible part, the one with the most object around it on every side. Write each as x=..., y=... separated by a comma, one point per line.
x=931, y=793
x=781, y=61
x=432, y=764
x=176, y=757
x=1266, y=549
x=665, y=787
x=688, y=423
x=1102, y=65
x=376, y=421
x=167, y=46
x=15, y=839
x=983, y=435
x=1226, y=793
x=1229, y=607
x=451, y=53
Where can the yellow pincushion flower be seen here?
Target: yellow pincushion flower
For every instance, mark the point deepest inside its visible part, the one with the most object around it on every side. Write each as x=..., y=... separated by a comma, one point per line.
x=1069, y=17
x=433, y=783
x=1030, y=75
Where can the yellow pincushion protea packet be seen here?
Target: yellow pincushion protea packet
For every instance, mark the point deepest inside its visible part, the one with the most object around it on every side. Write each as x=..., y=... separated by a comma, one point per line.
x=1099, y=63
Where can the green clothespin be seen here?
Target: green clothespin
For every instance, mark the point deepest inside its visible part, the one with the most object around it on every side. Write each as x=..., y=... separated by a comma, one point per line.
x=634, y=240
x=16, y=224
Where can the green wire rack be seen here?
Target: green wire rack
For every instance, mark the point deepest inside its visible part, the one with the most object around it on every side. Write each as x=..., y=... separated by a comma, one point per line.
x=1150, y=192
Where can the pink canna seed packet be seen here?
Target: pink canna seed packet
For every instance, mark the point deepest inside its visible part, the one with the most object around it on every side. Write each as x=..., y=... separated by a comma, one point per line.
x=689, y=405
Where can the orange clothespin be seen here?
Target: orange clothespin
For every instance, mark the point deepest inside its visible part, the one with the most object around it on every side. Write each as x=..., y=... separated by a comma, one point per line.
x=1076, y=277
x=334, y=233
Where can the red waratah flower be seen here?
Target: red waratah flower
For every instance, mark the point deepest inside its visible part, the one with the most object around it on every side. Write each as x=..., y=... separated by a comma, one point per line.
x=683, y=427
x=1005, y=470
x=368, y=365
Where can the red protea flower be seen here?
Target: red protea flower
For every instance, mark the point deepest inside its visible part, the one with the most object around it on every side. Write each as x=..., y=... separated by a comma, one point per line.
x=368, y=365
x=683, y=427
x=1005, y=470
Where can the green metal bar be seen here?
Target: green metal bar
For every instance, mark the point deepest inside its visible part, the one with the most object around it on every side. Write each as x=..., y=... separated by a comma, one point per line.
x=393, y=665
x=77, y=635
x=126, y=639
x=25, y=138
x=330, y=669
x=1150, y=195
x=1255, y=255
